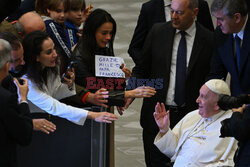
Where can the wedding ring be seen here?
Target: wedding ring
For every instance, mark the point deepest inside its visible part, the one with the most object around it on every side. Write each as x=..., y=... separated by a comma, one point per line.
x=44, y=126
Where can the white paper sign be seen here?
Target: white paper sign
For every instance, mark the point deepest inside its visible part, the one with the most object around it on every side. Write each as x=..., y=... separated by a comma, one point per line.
x=108, y=66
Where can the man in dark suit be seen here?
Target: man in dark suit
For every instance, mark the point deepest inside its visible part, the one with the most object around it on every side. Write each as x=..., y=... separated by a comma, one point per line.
x=15, y=122
x=161, y=60
x=232, y=56
x=232, y=44
x=157, y=11
x=17, y=69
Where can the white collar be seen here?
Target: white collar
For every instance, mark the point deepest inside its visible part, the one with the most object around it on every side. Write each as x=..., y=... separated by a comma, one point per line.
x=167, y=3
x=214, y=117
x=241, y=33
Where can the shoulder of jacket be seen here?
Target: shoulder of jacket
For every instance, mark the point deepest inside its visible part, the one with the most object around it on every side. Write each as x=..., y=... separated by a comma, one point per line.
x=5, y=94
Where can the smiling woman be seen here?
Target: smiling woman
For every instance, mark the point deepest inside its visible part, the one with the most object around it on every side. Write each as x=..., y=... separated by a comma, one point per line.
x=48, y=55
x=97, y=39
x=45, y=87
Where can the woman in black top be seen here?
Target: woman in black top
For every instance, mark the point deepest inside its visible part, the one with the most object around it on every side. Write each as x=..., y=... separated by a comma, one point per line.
x=97, y=39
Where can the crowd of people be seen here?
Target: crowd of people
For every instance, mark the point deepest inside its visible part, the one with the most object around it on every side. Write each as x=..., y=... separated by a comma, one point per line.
x=174, y=40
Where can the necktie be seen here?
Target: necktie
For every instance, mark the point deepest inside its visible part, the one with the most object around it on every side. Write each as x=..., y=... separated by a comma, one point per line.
x=237, y=42
x=180, y=80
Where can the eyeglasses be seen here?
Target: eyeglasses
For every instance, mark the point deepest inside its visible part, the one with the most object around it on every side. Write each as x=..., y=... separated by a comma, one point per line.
x=178, y=12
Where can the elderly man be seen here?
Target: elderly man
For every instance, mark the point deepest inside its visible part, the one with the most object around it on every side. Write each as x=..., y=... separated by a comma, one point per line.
x=16, y=69
x=232, y=39
x=195, y=141
x=15, y=122
x=30, y=22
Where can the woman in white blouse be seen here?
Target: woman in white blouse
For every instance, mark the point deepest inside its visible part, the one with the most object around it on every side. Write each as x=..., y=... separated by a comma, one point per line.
x=45, y=87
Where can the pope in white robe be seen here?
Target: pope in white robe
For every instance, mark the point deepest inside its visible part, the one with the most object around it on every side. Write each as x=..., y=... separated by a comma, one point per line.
x=195, y=140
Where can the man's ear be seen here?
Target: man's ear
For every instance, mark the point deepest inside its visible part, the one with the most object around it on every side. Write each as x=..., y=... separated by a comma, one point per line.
x=217, y=107
x=237, y=17
x=196, y=11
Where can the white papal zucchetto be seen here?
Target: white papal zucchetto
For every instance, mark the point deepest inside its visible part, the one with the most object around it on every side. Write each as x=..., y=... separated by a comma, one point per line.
x=218, y=86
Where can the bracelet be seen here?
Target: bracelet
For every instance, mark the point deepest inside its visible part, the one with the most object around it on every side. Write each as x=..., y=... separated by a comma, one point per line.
x=84, y=98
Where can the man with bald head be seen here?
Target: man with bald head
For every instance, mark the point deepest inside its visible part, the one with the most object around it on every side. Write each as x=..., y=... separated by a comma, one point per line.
x=27, y=23
x=178, y=53
x=195, y=140
x=31, y=21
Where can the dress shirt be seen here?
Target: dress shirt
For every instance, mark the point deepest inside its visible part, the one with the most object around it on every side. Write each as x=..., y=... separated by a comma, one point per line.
x=46, y=101
x=241, y=33
x=190, y=35
x=195, y=141
x=167, y=7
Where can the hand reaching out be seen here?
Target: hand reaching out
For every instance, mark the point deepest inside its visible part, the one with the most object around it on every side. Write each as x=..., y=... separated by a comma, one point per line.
x=43, y=125
x=162, y=118
x=98, y=98
x=128, y=101
x=140, y=92
x=102, y=116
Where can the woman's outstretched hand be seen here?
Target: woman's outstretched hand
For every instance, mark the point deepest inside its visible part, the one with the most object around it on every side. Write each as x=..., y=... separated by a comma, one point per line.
x=102, y=116
x=140, y=92
x=98, y=98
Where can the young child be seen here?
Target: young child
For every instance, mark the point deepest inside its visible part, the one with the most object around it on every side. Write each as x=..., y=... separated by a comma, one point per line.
x=53, y=14
x=74, y=15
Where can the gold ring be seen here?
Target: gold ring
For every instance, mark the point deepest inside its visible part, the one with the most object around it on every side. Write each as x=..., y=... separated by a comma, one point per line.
x=44, y=126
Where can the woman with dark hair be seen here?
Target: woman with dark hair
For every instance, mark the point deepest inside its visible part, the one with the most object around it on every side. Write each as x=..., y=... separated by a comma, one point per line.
x=45, y=87
x=97, y=39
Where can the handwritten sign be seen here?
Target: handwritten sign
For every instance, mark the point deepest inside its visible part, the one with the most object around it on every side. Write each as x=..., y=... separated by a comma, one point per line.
x=108, y=66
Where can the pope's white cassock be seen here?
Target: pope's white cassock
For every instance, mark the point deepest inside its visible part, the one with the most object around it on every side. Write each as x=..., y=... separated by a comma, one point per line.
x=195, y=142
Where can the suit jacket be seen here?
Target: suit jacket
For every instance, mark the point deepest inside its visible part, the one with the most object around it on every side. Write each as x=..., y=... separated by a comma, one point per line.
x=15, y=127
x=240, y=129
x=157, y=54
x=216, y=151
x=224, y=61
x=153, y=12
